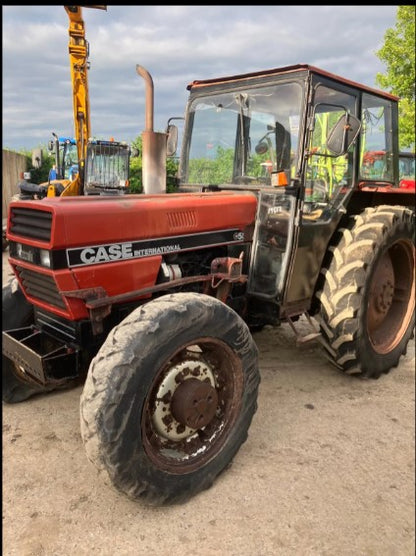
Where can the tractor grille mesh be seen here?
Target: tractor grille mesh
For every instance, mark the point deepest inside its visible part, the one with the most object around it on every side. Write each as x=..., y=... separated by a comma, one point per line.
x=40, y=286
x=31, y=223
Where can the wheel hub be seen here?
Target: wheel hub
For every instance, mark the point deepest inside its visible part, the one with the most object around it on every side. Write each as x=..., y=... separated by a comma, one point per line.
x=384, y=298
x=175, y=416
x=382, y=293
x=194, y=403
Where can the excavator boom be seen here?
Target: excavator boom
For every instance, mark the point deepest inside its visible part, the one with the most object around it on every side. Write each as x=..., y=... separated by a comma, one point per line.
x=101, y=167
x=78, y=54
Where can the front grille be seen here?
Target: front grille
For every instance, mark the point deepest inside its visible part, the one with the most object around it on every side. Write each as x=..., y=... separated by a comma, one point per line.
x=31, y=223
x=40, y=286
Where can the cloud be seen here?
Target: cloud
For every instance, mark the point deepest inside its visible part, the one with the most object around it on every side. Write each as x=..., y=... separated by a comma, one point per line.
x=176, y=44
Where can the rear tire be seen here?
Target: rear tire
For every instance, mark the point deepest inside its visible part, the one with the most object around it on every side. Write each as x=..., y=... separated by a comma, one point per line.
x=368, y=297
x=169, y=397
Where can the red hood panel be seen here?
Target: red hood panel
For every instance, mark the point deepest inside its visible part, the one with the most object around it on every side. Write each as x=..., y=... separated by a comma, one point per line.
x=92, y=220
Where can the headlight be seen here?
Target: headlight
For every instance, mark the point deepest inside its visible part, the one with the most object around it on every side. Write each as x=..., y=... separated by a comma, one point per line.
x=25, y=252
x=45, y=258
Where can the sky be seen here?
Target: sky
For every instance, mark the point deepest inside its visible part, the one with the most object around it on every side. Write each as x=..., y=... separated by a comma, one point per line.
x=176, y=45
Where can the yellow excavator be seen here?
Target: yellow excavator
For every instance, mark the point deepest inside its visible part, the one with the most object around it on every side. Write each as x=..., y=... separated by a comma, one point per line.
x=102, y=166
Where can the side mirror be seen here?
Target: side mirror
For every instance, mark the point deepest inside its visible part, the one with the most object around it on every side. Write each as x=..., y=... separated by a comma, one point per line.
x=172, y=139
x=343, y=134
x=262, y=148
x=134, y=152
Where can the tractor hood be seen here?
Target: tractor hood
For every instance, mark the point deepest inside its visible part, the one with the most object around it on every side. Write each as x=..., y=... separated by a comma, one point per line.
x=65, y=222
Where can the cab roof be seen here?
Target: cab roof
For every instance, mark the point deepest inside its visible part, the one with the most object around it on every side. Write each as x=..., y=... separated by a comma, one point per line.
x=288, y=69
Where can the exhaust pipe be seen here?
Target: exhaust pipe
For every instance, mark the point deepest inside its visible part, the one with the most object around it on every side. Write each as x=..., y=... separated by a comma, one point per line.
x=154, y=145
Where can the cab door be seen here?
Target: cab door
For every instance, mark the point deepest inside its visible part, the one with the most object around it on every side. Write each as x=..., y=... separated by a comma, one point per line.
x=327, y=179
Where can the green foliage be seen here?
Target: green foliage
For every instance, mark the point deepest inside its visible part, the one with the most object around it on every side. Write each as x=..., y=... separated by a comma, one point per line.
x=41, y=175
x=136, y=181
x=38, y=175
x=212, y=171
x=219, y=169
x=171, y=175
x=398, y=53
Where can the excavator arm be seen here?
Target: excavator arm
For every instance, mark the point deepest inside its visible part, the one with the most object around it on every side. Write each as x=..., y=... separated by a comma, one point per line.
x=103, y=166
x=78, y=58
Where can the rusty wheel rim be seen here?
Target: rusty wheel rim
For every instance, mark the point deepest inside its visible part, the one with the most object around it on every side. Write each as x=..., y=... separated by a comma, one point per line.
x=192, y=405
x=392, y=297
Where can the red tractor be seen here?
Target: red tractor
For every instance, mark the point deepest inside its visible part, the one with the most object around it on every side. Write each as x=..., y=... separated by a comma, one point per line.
x=150, y=300
x=374, y=164
x=407, y=171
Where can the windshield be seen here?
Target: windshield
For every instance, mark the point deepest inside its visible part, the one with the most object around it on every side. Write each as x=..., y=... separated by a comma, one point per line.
x=243, y=136
x=107, y=166
x=69, y=157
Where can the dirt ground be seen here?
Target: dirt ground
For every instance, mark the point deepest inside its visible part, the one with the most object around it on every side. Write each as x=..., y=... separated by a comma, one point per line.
x=328, y=469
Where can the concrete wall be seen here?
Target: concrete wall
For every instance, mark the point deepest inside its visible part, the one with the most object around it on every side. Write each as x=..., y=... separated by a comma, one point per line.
x=13, y=165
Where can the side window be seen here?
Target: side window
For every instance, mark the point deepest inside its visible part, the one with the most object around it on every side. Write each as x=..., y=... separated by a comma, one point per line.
x=325, y=174
x=328, y=178
x=376, y=153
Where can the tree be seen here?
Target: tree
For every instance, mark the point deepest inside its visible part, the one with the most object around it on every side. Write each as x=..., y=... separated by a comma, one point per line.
x=398, y=53
x=38, y=175
x=135, y=179
x=136, y=164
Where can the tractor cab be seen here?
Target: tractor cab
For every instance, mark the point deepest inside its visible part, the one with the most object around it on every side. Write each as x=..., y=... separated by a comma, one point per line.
x=299, y=138
x=106, y=168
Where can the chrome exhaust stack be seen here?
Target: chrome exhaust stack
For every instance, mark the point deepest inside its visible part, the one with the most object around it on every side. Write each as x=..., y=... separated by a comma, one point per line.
x=154, y=144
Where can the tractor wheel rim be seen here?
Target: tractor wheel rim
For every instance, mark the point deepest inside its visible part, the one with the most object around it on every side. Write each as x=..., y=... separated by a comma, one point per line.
x=192, y=406
x=392, y=297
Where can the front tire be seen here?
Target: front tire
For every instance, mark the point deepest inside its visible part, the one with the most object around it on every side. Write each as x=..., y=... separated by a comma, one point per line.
x=368, y=297
x=169, y=397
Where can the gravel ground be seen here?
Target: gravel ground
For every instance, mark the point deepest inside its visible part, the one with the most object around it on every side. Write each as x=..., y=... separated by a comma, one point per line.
x=328, y=469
